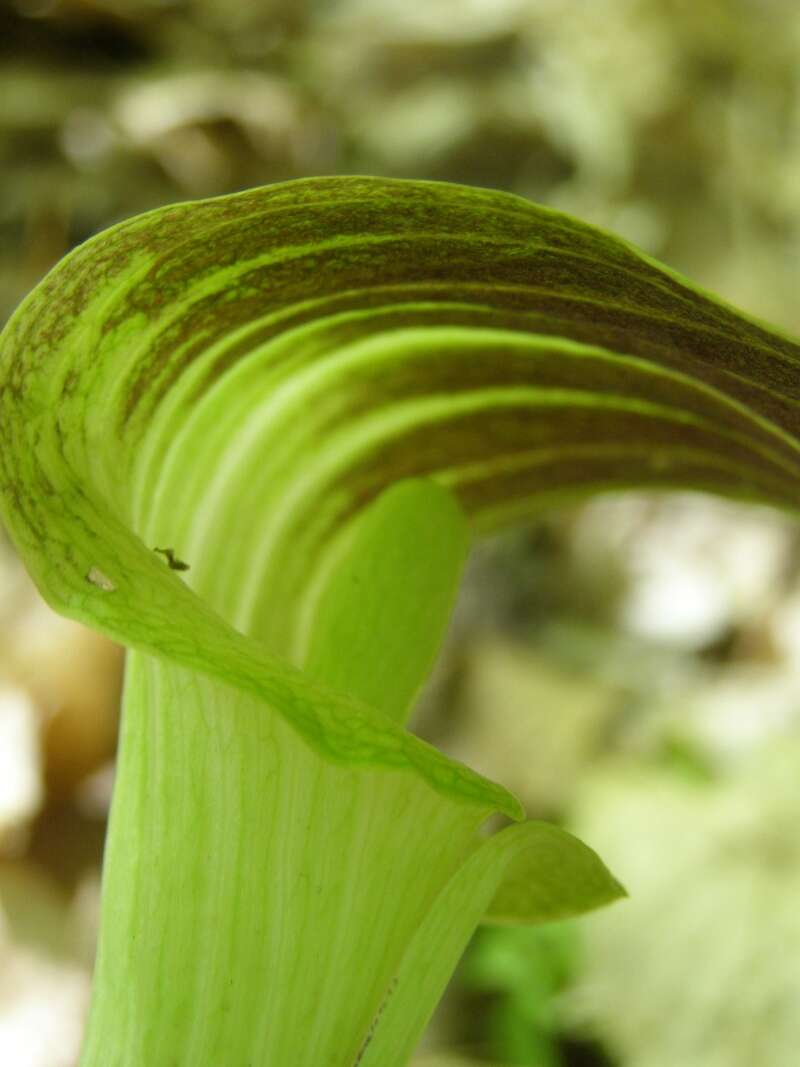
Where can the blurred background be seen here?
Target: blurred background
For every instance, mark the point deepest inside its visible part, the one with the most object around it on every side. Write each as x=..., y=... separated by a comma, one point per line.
x=630, y=667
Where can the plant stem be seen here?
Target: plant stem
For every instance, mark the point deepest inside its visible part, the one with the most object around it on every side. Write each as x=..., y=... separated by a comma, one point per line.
x=257, y=898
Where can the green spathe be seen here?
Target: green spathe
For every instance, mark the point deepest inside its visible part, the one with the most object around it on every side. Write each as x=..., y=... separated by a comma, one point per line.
x=293, y=909
x=290, y=874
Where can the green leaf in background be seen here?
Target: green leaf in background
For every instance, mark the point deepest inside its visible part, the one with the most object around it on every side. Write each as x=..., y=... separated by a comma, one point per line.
x=291, y=875
x=720, y=859
x=522, y=971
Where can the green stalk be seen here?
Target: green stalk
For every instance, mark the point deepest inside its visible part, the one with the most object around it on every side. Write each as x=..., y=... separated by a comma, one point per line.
x=252, y=912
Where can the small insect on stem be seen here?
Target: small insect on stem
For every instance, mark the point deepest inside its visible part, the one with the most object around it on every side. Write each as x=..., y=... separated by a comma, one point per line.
x=173, y=562
x=102, y=581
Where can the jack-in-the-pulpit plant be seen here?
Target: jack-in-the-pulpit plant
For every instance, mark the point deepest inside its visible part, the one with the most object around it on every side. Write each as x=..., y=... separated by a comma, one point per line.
x=250, y=439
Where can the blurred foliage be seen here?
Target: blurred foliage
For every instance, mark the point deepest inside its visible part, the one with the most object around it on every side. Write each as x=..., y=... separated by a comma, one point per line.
x=672, y=122
x=521, y=972
x=700, y=968
x=631, y=666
